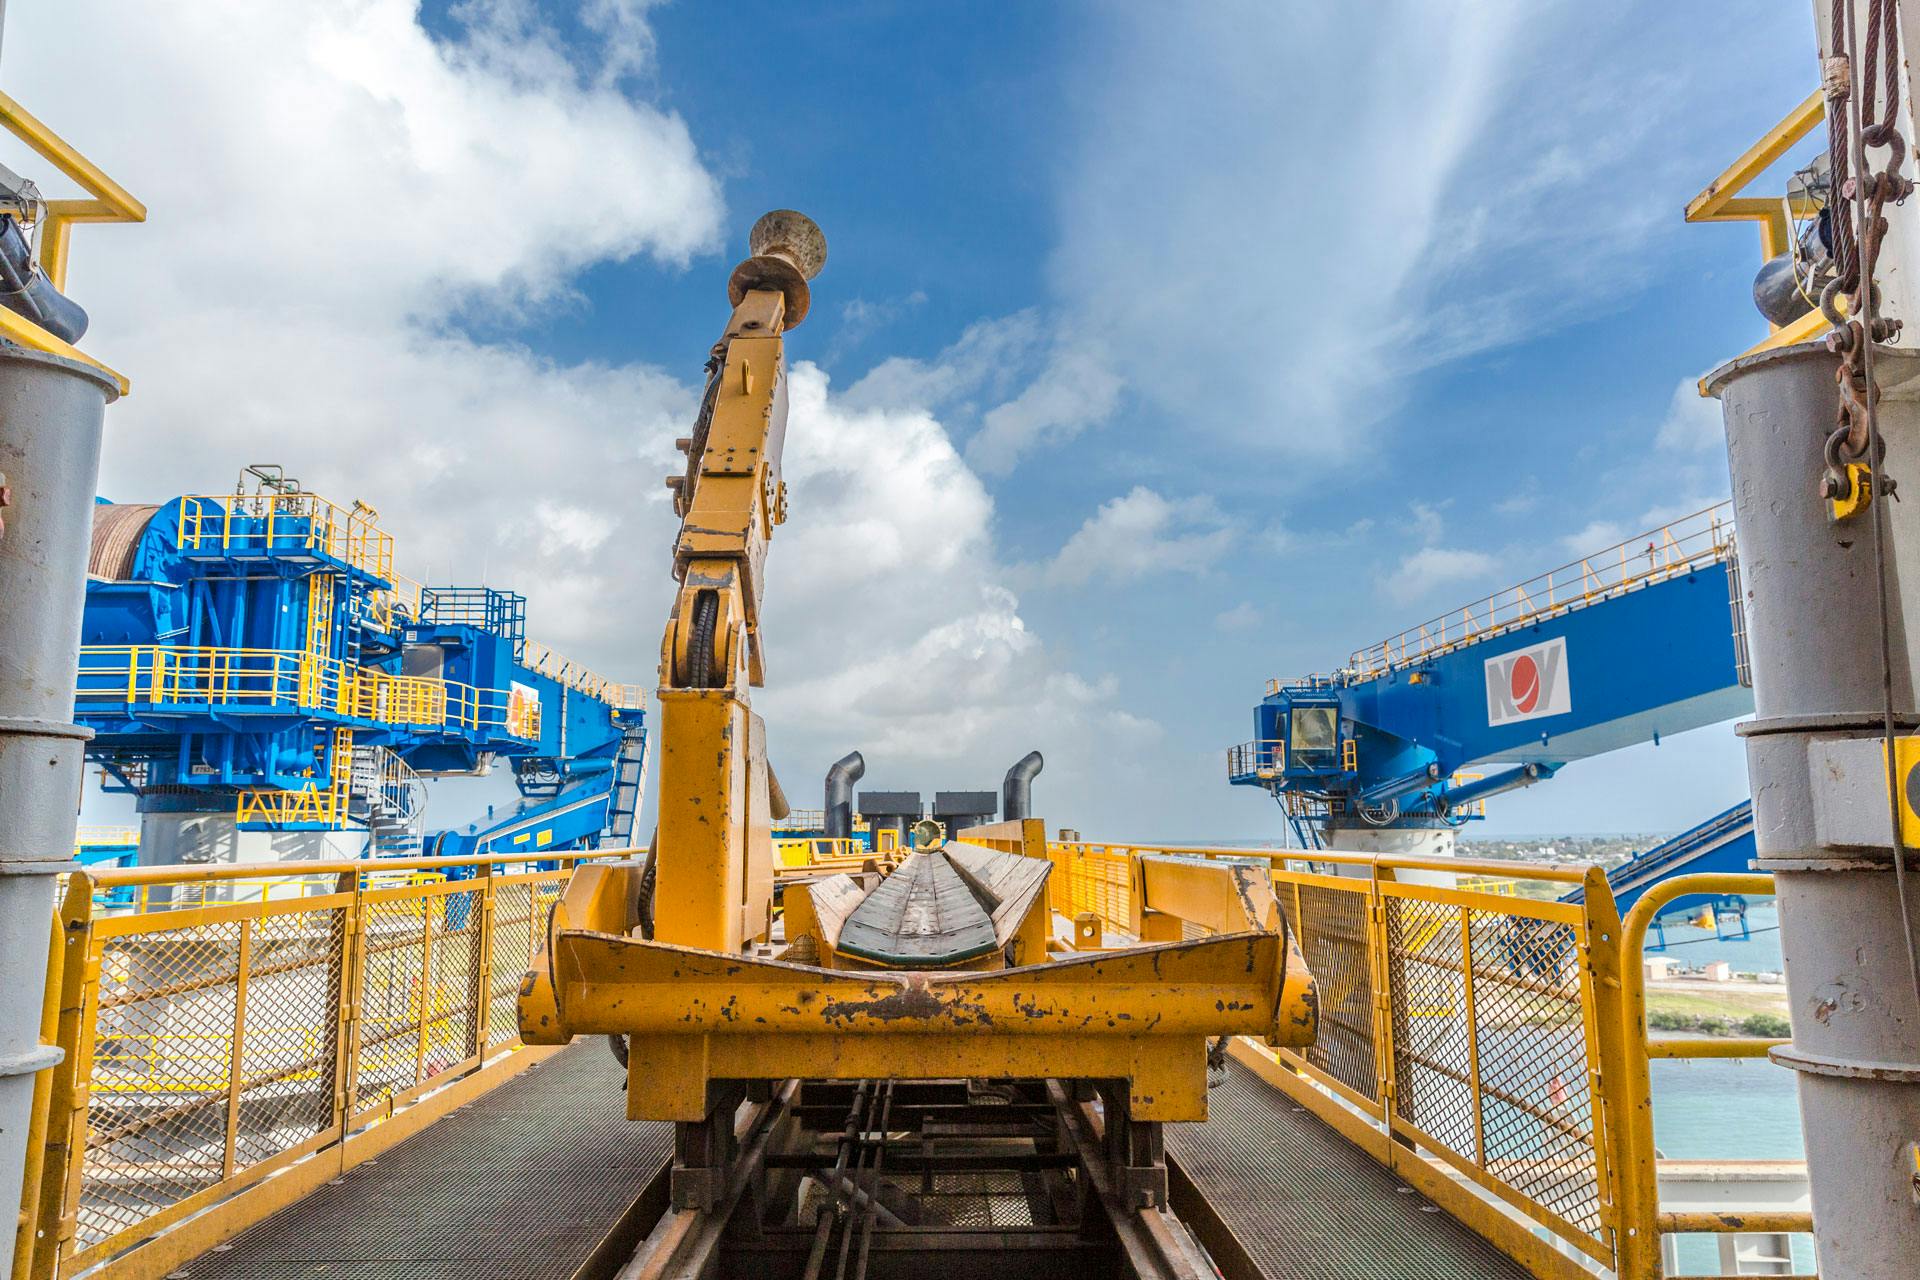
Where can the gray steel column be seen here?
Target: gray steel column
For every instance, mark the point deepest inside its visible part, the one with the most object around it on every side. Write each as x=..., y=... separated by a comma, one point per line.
x=1819, y=790
x=51, y=412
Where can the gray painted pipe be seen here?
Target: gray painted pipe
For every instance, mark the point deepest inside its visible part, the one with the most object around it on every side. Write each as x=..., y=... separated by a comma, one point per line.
x=1813, y=629
x=1016, y=793
x=51, y=411
x=841, y=776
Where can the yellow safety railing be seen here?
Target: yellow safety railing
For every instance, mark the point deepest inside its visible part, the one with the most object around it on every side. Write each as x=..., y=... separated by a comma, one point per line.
x=1255, y=759
x=1468, y=1032
x=539, y=657
x=1640, y=1254
x=1673, y=550
x=1723, y=201
x=285, y=524
x=401, y=600
x=1464, y=1035
x=106, y=201
x=815, y=852
x=802, y=820
x=156, y=675
x=246, y=1018
x=96, y=836
x=162, y=676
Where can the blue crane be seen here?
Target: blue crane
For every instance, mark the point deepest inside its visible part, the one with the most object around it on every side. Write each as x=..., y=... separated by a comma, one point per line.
x=257, y=674
x=1640, y=641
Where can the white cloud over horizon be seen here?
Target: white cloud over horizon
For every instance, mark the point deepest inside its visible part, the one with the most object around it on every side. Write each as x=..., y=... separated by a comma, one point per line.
x=1281, y=222
x=331, y=191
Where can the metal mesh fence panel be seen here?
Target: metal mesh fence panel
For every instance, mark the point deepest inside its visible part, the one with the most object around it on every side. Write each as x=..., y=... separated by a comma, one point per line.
x=451, y=995
x=1331, y=925
x=1491, y=1058
x=1099, y=883
x=236, y=1024
x=157, y=1106
x=1535, y=1065
x=393, y=971
x=290, y=1033
x=514, y=932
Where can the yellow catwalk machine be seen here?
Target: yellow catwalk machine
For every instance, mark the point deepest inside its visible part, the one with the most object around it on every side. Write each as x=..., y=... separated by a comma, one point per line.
x=823, y=1067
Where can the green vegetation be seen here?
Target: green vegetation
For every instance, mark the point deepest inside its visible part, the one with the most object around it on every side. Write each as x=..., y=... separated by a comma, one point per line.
x=1671, y=1011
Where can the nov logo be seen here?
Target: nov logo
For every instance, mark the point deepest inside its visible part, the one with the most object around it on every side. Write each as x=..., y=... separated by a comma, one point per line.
x=1528, y=683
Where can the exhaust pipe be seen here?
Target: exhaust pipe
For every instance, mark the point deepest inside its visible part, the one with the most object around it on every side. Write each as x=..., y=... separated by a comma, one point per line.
x=845, y=771
x=1016, y=793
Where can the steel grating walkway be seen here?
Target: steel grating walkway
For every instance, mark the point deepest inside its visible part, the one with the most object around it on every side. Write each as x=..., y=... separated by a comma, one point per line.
x=1306, y=1204
x=520, y=1184
x=524, y=1183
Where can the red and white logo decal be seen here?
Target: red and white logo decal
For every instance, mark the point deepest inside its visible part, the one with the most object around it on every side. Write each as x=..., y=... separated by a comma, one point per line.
x=1528, y=683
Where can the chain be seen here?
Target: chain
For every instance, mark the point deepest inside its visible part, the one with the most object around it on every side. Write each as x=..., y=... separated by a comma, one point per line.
x=1857, y=437
x=1856, y=248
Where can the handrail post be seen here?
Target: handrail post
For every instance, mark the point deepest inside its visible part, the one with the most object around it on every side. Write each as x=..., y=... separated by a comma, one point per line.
x=425, y=1003
x=1639, y=1237
x=236, y=1053
x=1473, y=1037
x=65, y=1170
x=480, y=981
x=340, y=1011
x=1385, y=1082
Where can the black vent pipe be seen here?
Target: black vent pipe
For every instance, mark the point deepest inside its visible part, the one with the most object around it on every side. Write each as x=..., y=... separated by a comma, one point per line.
x=1016, y=793
x=846, y=771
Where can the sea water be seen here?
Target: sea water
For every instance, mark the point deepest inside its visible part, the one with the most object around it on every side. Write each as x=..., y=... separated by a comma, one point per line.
x=1727, y=1108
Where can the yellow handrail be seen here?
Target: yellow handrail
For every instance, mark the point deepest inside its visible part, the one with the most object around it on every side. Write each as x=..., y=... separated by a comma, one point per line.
x=1640, y=1201
x=369, y=995
x=285, y=523
x=206, y=676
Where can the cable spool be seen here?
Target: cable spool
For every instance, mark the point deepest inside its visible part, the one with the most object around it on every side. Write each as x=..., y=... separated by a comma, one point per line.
x=787, y=249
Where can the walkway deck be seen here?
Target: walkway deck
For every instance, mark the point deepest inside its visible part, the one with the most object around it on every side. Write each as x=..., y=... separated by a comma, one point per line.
x=525, y=1183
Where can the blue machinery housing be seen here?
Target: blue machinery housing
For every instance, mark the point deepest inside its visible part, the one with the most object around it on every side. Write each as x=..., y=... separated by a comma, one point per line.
x=255, y=656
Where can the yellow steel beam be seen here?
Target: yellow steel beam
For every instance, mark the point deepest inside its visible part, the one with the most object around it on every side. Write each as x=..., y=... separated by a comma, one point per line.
x=59, y=153
x=1221, y=897
x=1226, y=985
x=1711, y=203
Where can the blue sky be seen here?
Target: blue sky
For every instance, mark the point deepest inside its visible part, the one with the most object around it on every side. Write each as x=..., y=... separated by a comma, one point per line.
x=1154, y=356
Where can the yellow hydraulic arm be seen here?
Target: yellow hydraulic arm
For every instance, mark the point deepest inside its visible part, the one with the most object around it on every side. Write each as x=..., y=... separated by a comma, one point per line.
x=677, y=981
x=714, y=870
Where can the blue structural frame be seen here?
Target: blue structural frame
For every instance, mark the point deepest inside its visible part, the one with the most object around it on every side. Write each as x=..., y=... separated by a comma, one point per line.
x=1387, y=748
x=1723, y=843
x=256, y=654
x=1637, y=665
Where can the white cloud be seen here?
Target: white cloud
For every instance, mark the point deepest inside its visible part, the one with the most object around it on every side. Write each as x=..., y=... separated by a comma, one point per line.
x=1075, y=391
x=892, y=627
x=1244, y=616
x=1398, y=153
x=982, y=367
x=331, y=190
x=1259, y=149
x=1433, y=567
x=1693, y=423
x=1427, y=521
x=1024, y=389
x=1140, y=533
x=1597, y=536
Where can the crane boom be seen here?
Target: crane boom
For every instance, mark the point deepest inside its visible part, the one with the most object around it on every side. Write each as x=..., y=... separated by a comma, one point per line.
x=1575, y=664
